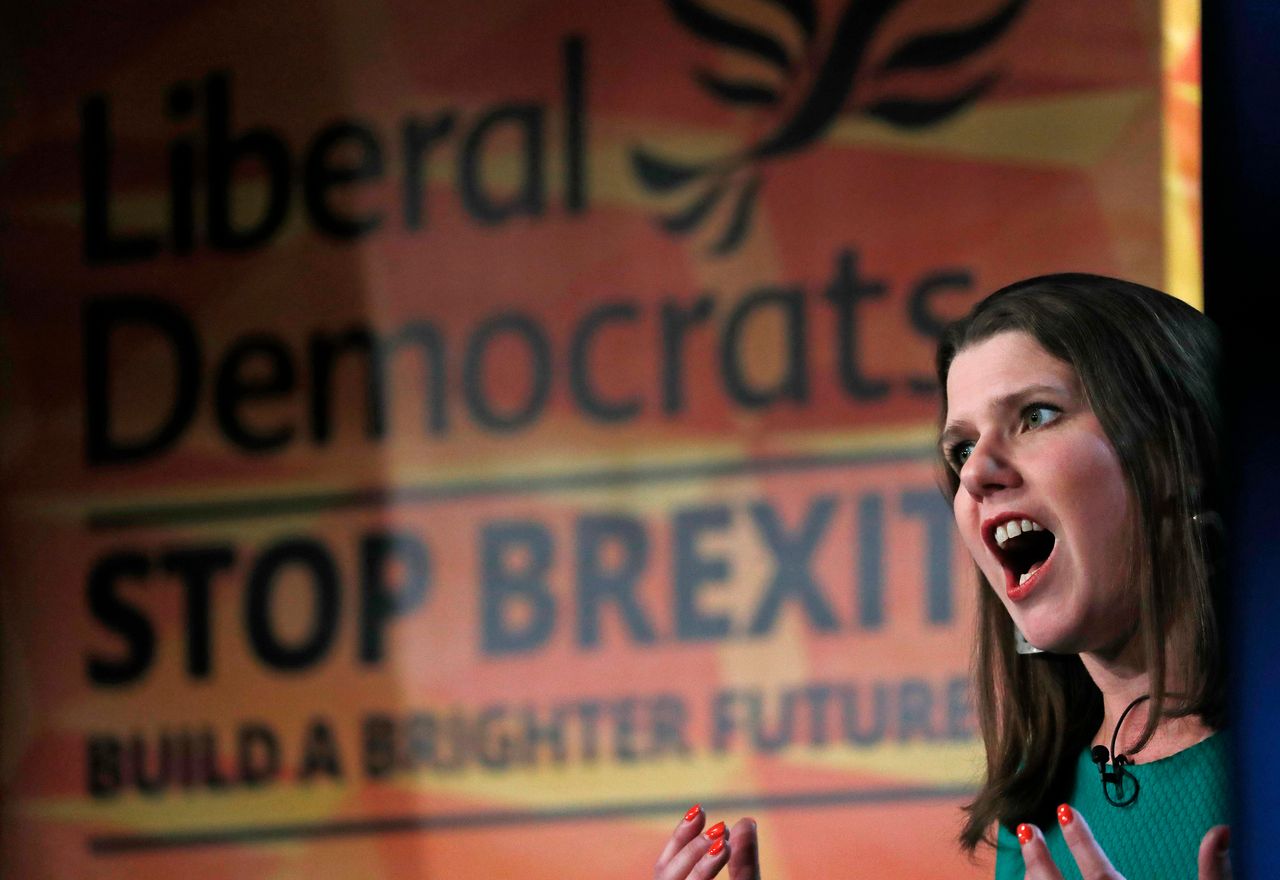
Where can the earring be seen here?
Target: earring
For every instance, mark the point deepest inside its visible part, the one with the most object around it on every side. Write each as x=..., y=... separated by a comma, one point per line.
x=1209, y=520
x=1022, y=646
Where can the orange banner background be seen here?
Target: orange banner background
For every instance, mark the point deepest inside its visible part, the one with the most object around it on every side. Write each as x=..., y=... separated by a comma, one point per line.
x=450, y=443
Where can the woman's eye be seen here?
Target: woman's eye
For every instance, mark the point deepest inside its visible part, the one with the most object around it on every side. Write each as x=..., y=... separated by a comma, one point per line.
x=960, y=453
x=1040, y=414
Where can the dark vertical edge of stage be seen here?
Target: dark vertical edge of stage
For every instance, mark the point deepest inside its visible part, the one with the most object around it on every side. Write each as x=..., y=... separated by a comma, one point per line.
x=1241, y=97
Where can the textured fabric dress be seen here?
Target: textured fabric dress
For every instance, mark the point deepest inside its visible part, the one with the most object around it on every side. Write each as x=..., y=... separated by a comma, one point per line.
x=1158, y=835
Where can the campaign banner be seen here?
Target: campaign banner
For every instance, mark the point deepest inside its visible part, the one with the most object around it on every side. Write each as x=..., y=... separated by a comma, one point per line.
x=450, y=441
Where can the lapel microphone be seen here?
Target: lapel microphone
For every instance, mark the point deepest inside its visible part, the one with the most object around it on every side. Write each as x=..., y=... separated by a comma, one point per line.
x=1115, y=777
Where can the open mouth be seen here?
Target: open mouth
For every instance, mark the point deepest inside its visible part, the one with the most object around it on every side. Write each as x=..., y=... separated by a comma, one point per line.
x=1023, y=546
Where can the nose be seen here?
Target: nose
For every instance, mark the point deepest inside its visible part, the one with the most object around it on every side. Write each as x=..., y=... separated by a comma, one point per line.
x=988, y=469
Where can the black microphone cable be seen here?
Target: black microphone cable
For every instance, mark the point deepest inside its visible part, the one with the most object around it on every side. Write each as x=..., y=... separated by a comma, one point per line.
x=1100, y=756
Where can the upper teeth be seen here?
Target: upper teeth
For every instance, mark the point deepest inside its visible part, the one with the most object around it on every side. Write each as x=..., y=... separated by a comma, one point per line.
x=1013, y=528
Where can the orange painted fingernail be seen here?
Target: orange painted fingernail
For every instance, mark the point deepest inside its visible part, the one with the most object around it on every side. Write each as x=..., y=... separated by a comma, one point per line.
x=715, y=832
x=1065, y=815
x=693, y=812
x=1025, y=834
x=716, y=847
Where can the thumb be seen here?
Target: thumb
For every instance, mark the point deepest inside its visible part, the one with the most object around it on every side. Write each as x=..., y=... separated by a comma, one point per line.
x=744, y=860
x=1214, y=860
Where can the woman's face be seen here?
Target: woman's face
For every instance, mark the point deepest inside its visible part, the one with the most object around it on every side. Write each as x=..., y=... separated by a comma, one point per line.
x=1031, y=453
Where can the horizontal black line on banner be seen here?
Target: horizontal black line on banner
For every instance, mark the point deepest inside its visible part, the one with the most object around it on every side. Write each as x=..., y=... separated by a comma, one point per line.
x=267, y=506
x=115, y=844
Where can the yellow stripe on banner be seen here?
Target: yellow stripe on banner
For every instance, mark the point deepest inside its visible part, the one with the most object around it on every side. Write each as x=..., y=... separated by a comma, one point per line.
x=705, y=461
x=921, y=763
x=207, y=809
x=1180, y=132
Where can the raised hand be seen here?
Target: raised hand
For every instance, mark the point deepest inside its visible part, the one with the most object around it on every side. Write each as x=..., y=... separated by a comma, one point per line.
x=692, y=853
x=1213, y=862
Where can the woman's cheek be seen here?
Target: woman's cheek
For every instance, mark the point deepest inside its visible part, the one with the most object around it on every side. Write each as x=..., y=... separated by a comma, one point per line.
x=994, y=576
x=970, y=529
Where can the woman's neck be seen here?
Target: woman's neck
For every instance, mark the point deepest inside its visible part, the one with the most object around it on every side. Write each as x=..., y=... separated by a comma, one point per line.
x=1123, y=679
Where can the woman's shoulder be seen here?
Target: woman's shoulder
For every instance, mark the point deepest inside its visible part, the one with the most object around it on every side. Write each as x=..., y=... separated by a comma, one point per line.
x=1179, y=798
x=1174, y=801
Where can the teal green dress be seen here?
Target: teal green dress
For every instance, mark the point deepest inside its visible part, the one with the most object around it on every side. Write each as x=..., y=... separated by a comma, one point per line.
x=1158, y=835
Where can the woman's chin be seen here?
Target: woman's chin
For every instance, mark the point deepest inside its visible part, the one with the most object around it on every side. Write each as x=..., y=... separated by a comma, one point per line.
x=1052, y=638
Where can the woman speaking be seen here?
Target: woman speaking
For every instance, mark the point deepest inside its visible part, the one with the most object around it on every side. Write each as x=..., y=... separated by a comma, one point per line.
x=1079, y=451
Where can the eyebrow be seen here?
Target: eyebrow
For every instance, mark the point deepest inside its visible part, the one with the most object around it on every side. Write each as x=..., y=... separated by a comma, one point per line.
x=1012, y=400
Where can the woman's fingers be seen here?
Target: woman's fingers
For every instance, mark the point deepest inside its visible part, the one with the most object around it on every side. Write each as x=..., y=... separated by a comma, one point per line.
x=686, y=830
x=700, y=857
x=744, y=862
x=1035, y=854
x=1090, y=859
x=1214, y=860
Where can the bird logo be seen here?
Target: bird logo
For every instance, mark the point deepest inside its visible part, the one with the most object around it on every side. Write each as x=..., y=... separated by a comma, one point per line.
x=812, y=84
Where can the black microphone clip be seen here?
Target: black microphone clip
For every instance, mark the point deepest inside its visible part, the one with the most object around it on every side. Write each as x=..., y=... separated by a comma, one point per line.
x=1116, y=777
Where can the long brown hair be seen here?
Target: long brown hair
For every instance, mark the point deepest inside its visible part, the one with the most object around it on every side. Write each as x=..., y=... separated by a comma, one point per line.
x=1147, y=363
